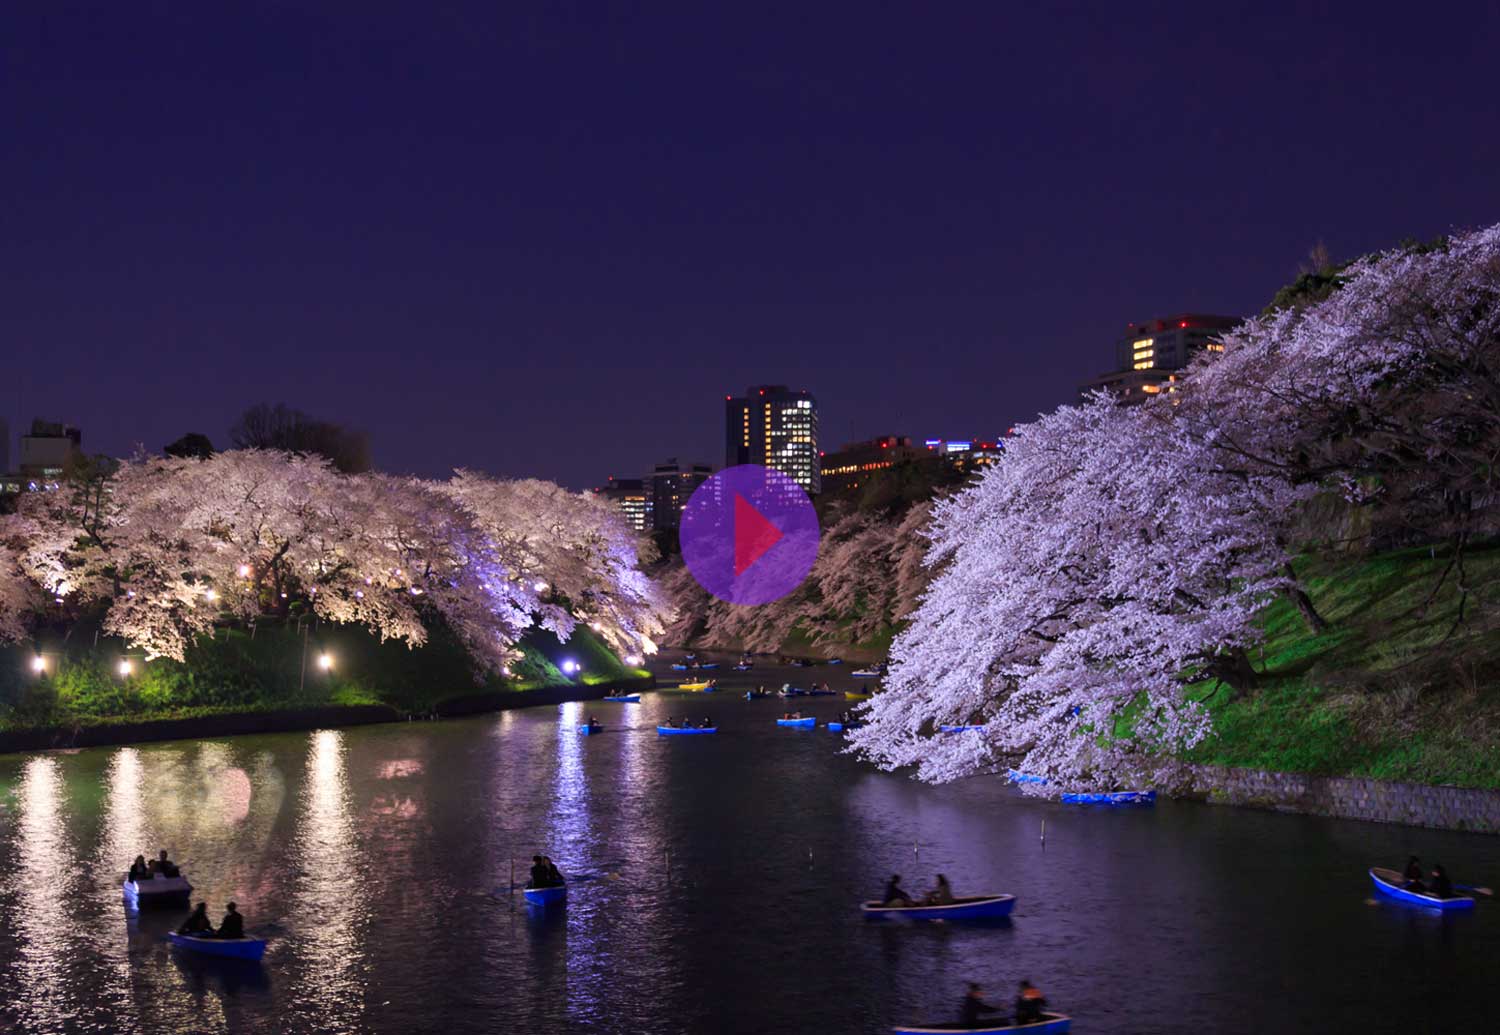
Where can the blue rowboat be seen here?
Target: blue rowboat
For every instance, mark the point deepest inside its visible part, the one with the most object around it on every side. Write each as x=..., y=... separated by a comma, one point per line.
x=553, y=896
x=807, y=723
x=683, y=731
x=751, y=695
x=158, y=891
x=866, y=673
x=679, y=668
x=839, y=727
x=1112, y=798
x=1050, y=1024
x=586, y=728
x=978, y=907
x=709, y=664
x=958, y=729
x=1389, y=883
x=1015, y=777
x=230, y=948
x=625, y=699
x=835, y=661
x=743, y=667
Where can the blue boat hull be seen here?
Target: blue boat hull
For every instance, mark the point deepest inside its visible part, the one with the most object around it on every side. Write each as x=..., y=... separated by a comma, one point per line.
x=674, y=731
x=839, y=727
x=626, y=699
x=1112, y=798
x=546, y=896
x=1388, y=883
x=983, y=907
x=712, y=664
x=864, y=673
x=679, y=668
x=229, y=948
x=1050, y=1024
x=800, y=723
x=587, y=730
x=1015, y=777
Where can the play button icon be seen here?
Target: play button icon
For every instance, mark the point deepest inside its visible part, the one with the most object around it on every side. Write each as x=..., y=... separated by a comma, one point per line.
x=749, y=535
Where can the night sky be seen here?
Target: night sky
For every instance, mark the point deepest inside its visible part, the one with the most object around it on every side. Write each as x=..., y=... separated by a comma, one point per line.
x=549, y=243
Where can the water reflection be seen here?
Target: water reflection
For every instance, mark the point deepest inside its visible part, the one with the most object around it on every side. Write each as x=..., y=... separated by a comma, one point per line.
x=331, y=911
x=44, y=880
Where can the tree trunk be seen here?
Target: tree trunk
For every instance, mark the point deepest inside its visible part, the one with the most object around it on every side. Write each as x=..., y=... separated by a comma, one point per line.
x=1315, y=622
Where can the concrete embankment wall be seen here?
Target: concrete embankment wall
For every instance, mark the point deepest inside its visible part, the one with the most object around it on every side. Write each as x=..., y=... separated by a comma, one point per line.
x=1379, y=801
x=292, y=720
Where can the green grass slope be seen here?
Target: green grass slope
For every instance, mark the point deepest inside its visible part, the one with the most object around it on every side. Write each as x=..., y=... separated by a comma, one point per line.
x=1396, y=688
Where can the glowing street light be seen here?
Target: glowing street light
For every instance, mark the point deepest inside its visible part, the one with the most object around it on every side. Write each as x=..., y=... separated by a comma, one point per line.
x=210, y=595
x=325, y=661
x=596, y=626
x=569, y=666
x=633, y=660
x=244, y=571
x=38, y=664
x=126, y=667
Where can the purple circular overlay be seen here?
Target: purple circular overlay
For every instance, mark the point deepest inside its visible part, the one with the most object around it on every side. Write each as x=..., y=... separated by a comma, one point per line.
x=749, y=535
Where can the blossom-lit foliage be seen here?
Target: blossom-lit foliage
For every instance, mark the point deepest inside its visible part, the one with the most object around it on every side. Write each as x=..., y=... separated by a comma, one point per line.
x=178, y=545
x=868, y=574
x=1116, y=554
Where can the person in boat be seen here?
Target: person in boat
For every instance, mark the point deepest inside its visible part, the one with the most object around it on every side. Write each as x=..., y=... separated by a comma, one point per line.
x=554, y=875
x=1441, y=886
x=593, y=723
x=233, y=924
x=1029, y=1004
x=139, y=870
x=973, y=1006
x=670, y=724
x=1414, y=875
x=165, y=866
x=706, y=724
x=198, y=922
x=941, y=894
x=895, y=894
x=538, y=873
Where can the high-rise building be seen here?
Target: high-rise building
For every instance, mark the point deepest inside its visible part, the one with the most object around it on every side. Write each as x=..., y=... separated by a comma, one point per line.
x=1149, y=356
x=773, y=426
x=633, y=497
x=48, y=453
x=670, y=485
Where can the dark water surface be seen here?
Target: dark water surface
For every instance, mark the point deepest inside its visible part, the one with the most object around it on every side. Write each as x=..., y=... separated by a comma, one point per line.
x=379, y=859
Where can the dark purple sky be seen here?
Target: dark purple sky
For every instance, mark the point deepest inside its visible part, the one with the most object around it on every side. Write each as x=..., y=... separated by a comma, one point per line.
x=549, y=244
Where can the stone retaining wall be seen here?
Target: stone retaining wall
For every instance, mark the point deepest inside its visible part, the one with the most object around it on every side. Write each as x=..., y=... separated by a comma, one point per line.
x=1379, y=801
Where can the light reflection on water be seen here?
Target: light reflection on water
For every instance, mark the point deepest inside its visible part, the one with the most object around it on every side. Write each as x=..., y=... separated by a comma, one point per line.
x=330, y=909
x=43, y=881
x=378, y=861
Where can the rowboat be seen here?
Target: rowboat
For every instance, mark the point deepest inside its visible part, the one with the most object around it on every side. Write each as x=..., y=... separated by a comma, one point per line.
x=553, y=896
x=231, y=948
x=587, y=728
x=959, y=729
x=1050, y=1024
x=834, y=661
x=679, y=668
x=1112, y=798
x=855, y=695
x=625, y=699
x=839, y=727
x=866, y=673
x=1016, y=777
x=694, y=686
x=742, y=667
x=682, y=731
x=978, y=907
x=166, y=891
x=751, y=695
x=798, y=692
x=1389, y=882
x=807, y=723
x=709, y=664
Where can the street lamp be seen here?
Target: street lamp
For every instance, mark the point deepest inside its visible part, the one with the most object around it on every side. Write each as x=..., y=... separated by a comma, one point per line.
x=325, y=661
x=569, y=666
x=125, y=667
x=38, y=664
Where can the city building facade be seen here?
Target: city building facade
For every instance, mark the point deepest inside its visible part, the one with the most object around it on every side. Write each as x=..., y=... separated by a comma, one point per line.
x=670, y=485
x=775, y=427
x=854, y=463
x=633, y=496
x=48, y=454
x=1149, y=356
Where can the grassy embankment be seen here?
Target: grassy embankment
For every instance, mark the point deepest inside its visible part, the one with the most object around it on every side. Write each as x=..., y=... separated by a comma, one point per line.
x=237, y=672
x=1393, y=689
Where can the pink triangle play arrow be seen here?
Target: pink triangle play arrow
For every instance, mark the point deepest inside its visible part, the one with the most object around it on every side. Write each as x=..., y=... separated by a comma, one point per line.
x=753, y=535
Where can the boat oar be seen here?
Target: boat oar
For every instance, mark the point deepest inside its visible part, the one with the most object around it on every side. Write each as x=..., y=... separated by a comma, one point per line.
x=1486, y=892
